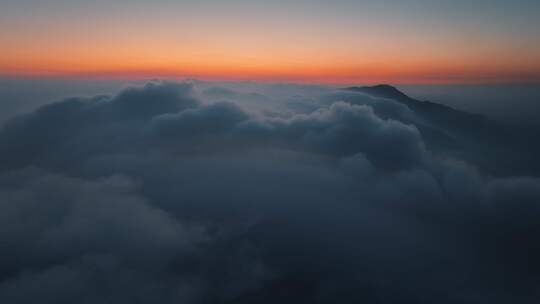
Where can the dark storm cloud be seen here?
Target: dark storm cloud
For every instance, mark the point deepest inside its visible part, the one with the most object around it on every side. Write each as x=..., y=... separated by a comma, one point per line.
x=154, y=196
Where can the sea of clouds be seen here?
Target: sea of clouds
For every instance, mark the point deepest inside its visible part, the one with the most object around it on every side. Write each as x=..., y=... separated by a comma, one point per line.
x=197, y=193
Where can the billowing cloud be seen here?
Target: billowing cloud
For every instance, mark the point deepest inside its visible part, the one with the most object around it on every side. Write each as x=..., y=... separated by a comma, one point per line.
x=153, y=195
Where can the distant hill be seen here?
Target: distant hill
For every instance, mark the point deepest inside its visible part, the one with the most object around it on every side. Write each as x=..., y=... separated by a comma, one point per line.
x=431, y=110
x=498, y=148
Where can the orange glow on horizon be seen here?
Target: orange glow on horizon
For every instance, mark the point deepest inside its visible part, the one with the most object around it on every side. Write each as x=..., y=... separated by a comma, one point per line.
x=374, y=73
x=157, y=59
x=244, y=54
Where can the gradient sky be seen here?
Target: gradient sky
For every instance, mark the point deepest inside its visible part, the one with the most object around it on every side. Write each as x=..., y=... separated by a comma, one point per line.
x=414, y=41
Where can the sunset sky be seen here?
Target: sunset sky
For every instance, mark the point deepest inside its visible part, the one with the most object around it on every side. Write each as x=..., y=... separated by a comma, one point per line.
x=343, y=41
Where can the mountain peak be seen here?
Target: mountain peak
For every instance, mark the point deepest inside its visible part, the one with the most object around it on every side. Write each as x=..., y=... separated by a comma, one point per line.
x=382, y=90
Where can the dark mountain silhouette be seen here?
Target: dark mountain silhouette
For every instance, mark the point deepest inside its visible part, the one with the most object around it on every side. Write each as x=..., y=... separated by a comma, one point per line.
x=382, y=90
x=497, y=148
x=441, y=113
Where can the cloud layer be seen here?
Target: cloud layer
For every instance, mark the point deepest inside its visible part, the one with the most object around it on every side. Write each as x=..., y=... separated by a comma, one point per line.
x=163, y=194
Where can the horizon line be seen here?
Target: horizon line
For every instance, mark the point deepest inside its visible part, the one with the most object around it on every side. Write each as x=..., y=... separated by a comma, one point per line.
x=315, y=79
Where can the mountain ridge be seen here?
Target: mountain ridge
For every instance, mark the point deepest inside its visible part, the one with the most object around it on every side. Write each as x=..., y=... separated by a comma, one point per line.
x=447, y=129
x=390, y=92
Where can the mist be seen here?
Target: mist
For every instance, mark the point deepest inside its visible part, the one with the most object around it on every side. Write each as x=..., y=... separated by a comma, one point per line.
x=204, y=192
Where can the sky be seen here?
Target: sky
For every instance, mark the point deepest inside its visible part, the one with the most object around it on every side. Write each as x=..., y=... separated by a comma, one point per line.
x=343, y=41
